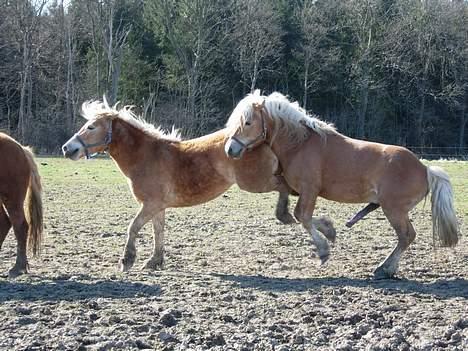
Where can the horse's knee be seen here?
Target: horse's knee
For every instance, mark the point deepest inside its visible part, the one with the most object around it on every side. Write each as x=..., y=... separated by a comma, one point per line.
x=298, y=214
x=407, y=237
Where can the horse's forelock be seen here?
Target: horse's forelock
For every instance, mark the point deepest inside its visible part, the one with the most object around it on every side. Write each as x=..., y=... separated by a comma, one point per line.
x=244, y=111
x=94, y=109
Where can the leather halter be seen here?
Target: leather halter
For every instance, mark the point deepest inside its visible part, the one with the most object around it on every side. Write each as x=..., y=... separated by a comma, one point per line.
x=262, y=136
x=106, y=142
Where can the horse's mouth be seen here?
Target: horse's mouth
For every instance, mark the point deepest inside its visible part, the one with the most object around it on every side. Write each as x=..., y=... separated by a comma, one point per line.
x=72, y=154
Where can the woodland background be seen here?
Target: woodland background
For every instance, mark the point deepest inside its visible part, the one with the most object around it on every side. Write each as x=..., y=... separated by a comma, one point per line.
x=393, y=71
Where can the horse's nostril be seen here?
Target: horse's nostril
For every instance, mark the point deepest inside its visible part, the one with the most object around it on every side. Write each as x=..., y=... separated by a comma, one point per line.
x=64, y=148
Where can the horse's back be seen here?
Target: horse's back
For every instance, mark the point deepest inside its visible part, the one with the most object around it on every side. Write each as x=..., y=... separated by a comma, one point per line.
x=395, y=172
x=355, y=170
x=251, y=173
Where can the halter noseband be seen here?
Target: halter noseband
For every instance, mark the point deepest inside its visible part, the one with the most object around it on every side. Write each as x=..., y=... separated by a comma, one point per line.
x=262, y=136
x=106, y=142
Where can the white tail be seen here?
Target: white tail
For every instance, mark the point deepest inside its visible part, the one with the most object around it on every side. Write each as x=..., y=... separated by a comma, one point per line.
x=444, y=219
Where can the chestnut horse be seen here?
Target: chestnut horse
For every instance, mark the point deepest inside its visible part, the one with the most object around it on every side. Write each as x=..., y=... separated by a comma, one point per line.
x=318, y=161
x=20, y=190
x=164, y=171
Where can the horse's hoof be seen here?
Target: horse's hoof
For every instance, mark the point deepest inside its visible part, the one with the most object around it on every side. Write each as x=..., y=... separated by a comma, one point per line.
x=16, y=272
x=382, y=273
x=320, y=259
x=126, y=263
x=153, y=265
x=324, y=259
x=286, y=218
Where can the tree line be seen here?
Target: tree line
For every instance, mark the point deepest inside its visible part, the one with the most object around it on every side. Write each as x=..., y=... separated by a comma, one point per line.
x=393, y=71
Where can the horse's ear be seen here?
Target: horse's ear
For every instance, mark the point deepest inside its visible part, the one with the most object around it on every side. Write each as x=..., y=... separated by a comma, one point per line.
x=259, y=106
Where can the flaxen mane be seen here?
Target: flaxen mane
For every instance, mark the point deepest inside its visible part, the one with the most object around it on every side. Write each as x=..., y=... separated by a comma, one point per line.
x=294, y=120
x=97, y=109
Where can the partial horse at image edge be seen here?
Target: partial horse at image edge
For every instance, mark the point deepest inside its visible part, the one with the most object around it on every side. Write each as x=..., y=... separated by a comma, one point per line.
x=328, y=164
x=20, y=201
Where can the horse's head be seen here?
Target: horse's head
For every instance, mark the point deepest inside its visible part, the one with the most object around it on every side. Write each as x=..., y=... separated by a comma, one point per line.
x=247, y=128
x=95, y=136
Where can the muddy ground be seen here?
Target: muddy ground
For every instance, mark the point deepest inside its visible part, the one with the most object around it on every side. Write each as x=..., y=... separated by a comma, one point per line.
x=235, y=279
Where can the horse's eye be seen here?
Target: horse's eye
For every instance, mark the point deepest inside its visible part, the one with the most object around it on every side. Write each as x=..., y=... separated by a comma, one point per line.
x=248, y=123
x=90, y=127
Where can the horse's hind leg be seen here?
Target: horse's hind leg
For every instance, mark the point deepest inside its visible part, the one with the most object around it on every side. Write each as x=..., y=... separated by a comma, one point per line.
x=406, y=235
x=5, y=225
x=157, y=257
x=20, y=227
x=128, y=257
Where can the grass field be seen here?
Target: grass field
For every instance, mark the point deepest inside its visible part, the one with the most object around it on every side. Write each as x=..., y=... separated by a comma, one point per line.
x=235, y=279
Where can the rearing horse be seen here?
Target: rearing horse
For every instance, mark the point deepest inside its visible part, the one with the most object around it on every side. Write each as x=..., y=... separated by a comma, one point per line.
x=318, y=161
x=164, y=171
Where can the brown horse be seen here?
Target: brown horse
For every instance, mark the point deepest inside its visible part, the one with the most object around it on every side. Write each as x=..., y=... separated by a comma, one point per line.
x=164, y=171
x=318, y=161
x=20, y=189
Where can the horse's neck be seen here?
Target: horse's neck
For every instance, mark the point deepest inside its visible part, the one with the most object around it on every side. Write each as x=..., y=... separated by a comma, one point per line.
x=127, y=146
x=279, y=149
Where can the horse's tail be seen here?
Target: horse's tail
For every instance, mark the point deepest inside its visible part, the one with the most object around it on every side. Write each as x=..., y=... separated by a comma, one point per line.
x=33, y=205
x=444, y=219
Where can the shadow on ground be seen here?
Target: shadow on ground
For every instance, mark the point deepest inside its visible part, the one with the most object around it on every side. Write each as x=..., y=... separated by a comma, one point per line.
x=67, y=290
x=441, y=288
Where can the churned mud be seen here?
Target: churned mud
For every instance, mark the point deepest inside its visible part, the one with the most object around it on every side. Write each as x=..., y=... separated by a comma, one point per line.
x=234, y=279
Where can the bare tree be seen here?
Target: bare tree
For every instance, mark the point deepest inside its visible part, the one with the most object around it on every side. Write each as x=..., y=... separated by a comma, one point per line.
x=256, y=39
x=27, y=20
x=109, y=36
x=313, y=52
x=190, y=29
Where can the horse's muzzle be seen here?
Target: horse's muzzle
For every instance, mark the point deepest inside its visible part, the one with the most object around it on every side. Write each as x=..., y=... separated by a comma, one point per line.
x=71, y=150
x=233, y=149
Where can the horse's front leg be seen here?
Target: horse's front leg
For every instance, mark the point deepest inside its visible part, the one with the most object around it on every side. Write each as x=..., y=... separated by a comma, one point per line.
x=157, y=258
x=129, y=254
x=303, y=212
x=282, y=208
x=278, y=183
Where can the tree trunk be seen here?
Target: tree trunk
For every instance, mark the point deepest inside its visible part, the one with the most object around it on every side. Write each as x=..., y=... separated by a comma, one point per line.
x=463, y=122
x=419, y=122
x=69, y=88
x=306, y=83
x=254, y=77
x=23, y=92
x=361, y=127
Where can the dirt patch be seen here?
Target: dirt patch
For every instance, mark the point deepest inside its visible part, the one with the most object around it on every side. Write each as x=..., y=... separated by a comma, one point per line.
x=235, y=279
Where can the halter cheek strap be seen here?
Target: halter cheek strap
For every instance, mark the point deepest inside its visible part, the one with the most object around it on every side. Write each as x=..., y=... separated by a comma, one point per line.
x=106, y=142
x=261, y=137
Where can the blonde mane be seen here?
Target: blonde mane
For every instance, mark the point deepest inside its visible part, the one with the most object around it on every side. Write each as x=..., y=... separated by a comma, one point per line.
x=294, y=120
x=101, y=109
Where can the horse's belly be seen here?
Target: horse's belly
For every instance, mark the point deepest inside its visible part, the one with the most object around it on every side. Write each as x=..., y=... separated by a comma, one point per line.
x=350, y=193
x=197, y=195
